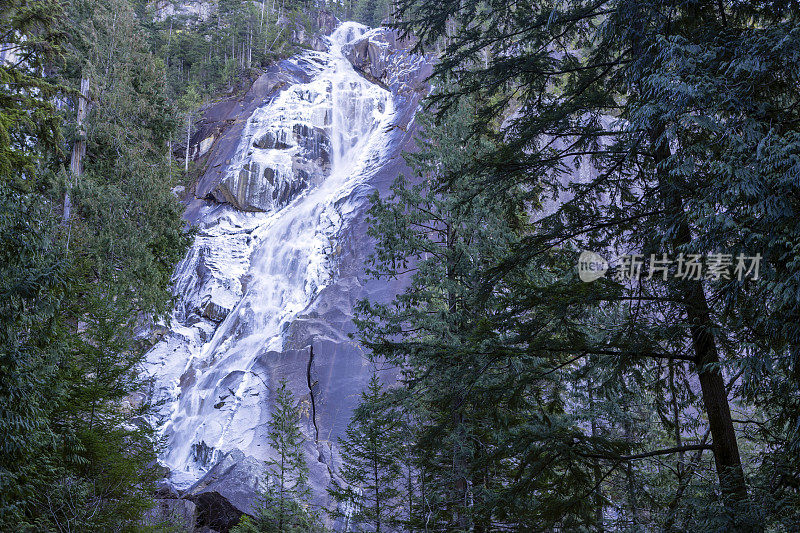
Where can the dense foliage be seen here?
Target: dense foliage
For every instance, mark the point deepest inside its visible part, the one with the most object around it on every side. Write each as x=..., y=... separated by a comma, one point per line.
x=215, y=47
x=75, y=283
x=370, y=12
x=666, y=401
x=530, y=399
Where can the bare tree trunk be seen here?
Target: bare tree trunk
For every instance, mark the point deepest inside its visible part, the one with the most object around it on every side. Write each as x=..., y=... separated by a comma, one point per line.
x=188, y=138
x=169, y=46
x=78, y=148
x=263, y=5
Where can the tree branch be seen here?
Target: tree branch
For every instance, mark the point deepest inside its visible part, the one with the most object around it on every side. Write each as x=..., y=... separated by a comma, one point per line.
x=654, y=453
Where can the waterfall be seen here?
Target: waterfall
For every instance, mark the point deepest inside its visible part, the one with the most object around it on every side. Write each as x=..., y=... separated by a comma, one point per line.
x=249, y=274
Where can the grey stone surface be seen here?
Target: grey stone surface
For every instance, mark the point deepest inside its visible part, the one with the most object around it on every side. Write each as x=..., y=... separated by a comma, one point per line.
x=329, y=385
x=254, y=188
x=340, y=368
x=165, y=490
x=229, y=490
x=224, y=122
x=383, y=57
x=175, y=512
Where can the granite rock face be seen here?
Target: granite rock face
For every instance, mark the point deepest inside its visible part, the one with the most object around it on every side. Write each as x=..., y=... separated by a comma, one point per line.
x=278, y=263
x=227, y=491
x=382, y=57
x=283, y=160
x=179, y=513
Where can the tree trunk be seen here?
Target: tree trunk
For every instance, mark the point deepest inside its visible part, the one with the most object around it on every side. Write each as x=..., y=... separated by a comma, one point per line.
x=410, y=490
x=676, y=420
x=169, y=156
x=459, y=495
x=706, y=357
x=78, y=148
x=715, y=398
x=376, y=478
x=188, y=138
x=283, y=474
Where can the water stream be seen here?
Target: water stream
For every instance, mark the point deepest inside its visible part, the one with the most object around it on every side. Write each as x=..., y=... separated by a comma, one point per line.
x=262, y=269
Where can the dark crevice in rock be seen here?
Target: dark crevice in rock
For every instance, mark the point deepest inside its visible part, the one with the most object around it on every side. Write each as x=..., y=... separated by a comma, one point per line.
x=311, y=393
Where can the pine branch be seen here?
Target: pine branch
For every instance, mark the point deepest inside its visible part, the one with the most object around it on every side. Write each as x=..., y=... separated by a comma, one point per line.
x=645, y=455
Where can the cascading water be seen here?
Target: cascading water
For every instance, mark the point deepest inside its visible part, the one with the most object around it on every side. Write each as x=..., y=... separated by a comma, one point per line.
x=248, y=275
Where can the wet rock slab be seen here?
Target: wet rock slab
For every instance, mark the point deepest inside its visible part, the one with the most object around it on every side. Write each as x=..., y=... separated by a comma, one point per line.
x=218, y=287
x=230, y=489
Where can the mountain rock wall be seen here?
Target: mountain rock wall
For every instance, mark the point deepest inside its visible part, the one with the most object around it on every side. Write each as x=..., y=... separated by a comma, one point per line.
x=278, y=262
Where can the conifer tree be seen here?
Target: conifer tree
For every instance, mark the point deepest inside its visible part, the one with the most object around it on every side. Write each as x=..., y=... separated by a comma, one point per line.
x=282, y=507
x=33, y=280
x=659, y=128
x=371, y=12
x=73, y=292
x=489, y=397
x=371, y=464
x=289, y=468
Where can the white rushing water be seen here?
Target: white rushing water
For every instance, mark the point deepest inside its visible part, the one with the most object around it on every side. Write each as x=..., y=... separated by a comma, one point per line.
x=265, y=268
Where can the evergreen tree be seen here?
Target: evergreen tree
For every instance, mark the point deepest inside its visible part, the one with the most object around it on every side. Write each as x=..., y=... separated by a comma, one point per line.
x=76, y=284
x=680, y=118
x=283, y=505
x=486, y=388
x=371, y=12
x=31, y=292
x=219, y=52
x=371, y=469
x=368, y=12
x=32, y=269
x=31, y=41
x=297, y=519
x=288, y=470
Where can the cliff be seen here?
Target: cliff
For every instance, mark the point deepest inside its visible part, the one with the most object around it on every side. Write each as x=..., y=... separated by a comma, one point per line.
x=278, y=262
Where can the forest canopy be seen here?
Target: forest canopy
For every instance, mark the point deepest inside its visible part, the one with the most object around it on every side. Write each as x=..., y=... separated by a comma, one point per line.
x=597, y=231
x=653, y=133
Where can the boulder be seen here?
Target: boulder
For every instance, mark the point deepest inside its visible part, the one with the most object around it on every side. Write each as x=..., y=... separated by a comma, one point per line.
x=216, y=305
x=369, y=56
x=229, y=489
x=165, y=490
x=180, y=514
